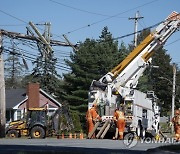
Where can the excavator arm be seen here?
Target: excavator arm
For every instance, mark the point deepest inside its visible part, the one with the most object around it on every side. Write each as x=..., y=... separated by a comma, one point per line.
x=61, y=120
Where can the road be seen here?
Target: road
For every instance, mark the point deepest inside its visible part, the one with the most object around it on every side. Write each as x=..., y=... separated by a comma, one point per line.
x=76, y=146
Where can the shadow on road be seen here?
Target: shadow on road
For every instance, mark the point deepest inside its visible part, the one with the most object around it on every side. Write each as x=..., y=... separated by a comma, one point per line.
x=21, y=149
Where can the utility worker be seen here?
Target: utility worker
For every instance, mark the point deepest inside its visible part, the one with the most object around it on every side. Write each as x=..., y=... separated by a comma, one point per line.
x=119, y=118
x=92, y=117
x=176, y=122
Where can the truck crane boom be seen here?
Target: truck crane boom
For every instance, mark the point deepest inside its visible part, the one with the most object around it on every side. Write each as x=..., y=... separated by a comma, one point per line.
x=127, y=73
x=118, y=86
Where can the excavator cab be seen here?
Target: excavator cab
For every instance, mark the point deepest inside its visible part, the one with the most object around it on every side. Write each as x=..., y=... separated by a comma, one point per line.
x=33, y=124
x=36, y=122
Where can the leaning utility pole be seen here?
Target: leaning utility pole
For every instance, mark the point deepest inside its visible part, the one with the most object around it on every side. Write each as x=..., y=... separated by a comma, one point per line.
x=16, y=35
x=2, y=93
x=136, y=18
x=43, y=40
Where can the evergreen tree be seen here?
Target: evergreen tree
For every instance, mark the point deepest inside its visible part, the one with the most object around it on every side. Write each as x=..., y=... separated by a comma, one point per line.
x=44, y=71
x=158, y=79
x=93, y=60
x=14, y=70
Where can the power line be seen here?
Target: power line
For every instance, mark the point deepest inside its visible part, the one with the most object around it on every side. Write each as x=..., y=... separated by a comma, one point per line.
x=123, y=36
x=33, y=59
x=173, y=42
x=9, y=25
x=28, y=53
x=74, y=8
x=88, y=24
x=29, y=37
x=14, y=17
x=127, y=35
x=142, y=21
x=111, y=17
x=8, y=14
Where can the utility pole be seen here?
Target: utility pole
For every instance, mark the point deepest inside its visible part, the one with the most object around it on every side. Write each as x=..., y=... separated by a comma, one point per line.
x=41, y=37
x=16, y=35
x=136, y=18
x=173, y=93
x=65, y=37
x=2, y=93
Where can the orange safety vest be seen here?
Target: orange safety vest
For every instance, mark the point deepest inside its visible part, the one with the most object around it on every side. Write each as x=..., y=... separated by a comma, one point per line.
x=118, y=115
x=92, y=114
x=88, y=115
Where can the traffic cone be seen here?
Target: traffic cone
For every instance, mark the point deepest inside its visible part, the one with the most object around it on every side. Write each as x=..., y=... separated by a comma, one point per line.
x=75, y=136
x=70, y=135
x=62, y=137
x=81, y=136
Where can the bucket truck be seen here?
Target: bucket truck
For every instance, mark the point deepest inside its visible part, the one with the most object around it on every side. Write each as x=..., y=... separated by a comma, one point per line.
x=118, y=87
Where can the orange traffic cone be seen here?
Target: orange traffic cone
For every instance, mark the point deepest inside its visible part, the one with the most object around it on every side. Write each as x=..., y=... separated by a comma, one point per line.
x=81, y=136
x=70, y=135
x=62, y=137
x=75, y=136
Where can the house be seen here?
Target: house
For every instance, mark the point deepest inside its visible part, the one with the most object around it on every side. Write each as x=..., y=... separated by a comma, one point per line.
x=16, y=103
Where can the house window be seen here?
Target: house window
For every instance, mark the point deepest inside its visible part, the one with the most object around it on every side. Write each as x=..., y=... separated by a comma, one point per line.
x=18, y=114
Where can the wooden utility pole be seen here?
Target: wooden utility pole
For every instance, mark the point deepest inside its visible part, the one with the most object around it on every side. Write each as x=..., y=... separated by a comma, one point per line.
x=69, y=42
x=2, y=93
x=41, y=37
x=16, y=35
x=136, y=18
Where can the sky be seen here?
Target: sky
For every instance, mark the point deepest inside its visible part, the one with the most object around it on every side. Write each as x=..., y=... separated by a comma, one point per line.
x=81, y=19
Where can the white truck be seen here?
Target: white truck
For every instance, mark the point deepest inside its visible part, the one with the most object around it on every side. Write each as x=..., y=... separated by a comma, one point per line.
x=118, y=87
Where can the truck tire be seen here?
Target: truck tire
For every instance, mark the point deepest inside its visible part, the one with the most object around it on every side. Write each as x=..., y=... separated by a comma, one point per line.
x=37, y=132
x=138, y=130
x=143, y=132
x=12, y=134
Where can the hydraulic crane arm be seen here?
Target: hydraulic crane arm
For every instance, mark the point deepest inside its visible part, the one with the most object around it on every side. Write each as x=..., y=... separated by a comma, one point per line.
x=127, y=73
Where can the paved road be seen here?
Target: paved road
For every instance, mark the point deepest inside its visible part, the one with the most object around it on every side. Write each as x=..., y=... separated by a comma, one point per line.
x=76, y=146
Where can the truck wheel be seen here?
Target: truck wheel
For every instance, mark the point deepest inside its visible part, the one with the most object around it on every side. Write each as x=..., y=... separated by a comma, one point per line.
x=12, y=134
x=143, y=132
x=138, y=130
x=37, y=132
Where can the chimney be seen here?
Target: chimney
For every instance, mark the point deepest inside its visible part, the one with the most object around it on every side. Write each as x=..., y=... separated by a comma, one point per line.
x=33, y=95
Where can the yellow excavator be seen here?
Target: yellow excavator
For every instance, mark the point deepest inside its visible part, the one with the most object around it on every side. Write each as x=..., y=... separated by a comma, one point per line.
x=37, y=124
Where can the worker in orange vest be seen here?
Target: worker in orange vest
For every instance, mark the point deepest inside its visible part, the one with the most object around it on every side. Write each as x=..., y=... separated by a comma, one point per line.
x=176, y=122
x=119, y=118
x=92, y=117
